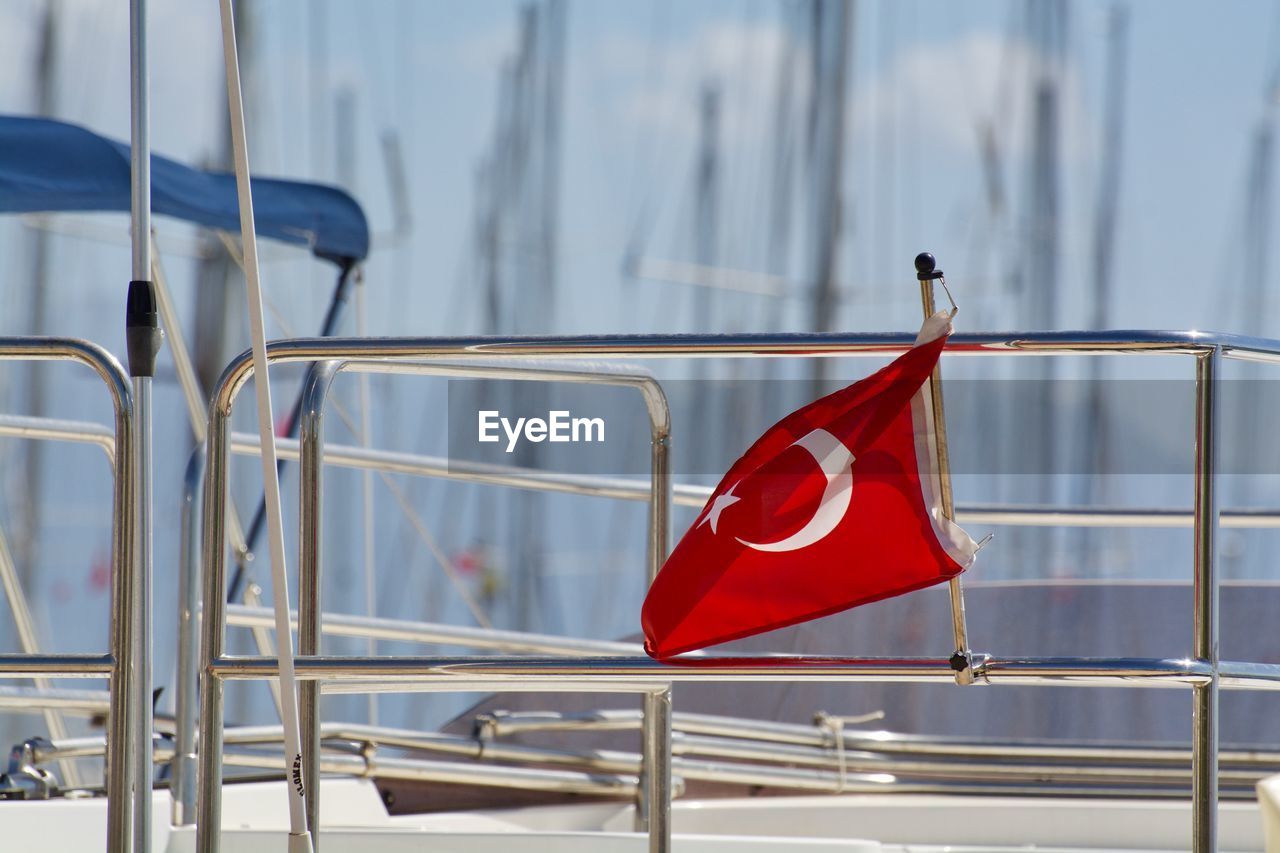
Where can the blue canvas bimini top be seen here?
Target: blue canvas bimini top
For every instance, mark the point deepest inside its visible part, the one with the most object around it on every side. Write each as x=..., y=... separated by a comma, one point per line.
x=51, y=166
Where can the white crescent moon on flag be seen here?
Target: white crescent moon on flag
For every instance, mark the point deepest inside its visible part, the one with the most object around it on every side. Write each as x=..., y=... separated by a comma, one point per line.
x=836, y=463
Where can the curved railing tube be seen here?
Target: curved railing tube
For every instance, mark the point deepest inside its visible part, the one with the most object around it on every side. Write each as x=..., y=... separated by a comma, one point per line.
x=128, y=777
x=311, y=457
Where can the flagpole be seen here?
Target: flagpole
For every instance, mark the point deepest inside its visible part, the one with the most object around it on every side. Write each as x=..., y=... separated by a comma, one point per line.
x=961, y=660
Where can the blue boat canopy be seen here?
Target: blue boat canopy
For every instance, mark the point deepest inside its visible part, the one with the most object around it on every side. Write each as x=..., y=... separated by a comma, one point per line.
x=51, y=166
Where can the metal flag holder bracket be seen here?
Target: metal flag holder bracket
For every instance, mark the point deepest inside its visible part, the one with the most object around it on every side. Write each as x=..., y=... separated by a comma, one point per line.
x=962, y=659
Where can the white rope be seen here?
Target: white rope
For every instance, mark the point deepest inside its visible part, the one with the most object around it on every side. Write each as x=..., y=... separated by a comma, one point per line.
x=834, y=725
x=299, y=838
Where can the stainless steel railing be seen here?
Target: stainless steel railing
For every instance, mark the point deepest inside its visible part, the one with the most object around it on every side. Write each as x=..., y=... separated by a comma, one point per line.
x=128, y=774
x=245, y=750
x=310, y=451
x=742, y=754
x=1202, y=671
x=514, y=641
x=833, y=748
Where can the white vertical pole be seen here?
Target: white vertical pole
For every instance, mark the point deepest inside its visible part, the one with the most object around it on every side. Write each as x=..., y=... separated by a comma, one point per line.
x=299, y=837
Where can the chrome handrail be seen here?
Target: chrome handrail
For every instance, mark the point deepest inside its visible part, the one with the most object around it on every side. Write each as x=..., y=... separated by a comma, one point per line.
x=128, y=774
x=310, y=449
x=1204, y=673
x=311, y=452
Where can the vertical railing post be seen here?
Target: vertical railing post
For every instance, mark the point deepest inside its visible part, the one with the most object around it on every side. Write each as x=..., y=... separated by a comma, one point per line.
x=655, y=782
x=310, y=504
x=1204, y=747
x=122, y=769
x=213, y=628
x=653, y=805
x=188, y=687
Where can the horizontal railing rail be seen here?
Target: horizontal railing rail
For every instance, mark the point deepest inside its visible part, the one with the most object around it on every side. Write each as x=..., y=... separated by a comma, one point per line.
x=404, y=630
x=696, y=496
x=89, y=703
x=1201, y=670
x=54, y=429
x=368, y=765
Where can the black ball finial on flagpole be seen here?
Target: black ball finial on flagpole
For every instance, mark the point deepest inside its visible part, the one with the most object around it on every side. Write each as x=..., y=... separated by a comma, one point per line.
x=926, y=267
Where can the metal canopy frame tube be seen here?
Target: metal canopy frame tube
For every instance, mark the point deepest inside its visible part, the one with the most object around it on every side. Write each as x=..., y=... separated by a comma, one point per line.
x=646, y=676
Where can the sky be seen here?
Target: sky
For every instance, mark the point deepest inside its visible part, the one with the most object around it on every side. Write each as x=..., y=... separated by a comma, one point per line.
x=926, y=76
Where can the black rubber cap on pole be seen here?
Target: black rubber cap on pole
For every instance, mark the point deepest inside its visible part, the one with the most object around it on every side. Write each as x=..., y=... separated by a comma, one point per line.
x=142, y=328
x=926, y=267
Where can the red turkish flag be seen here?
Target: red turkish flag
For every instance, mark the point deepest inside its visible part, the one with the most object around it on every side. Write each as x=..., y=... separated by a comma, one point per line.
x=836, y=505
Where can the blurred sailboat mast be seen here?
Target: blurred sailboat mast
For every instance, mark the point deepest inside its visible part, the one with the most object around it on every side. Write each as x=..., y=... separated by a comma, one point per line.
x=1036, y=277
x=1095, y=440
x=218, y=306
x=706, y=232
x=830, y=42
x=28, y=526
x=1256, y=303
x=1258, y=207
x=518, y=202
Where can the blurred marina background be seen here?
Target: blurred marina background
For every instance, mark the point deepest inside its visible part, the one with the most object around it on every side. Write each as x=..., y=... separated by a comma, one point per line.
x=725, y=165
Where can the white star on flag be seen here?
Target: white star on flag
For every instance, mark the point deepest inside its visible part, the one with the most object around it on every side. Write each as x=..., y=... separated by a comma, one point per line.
x=719, y=505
